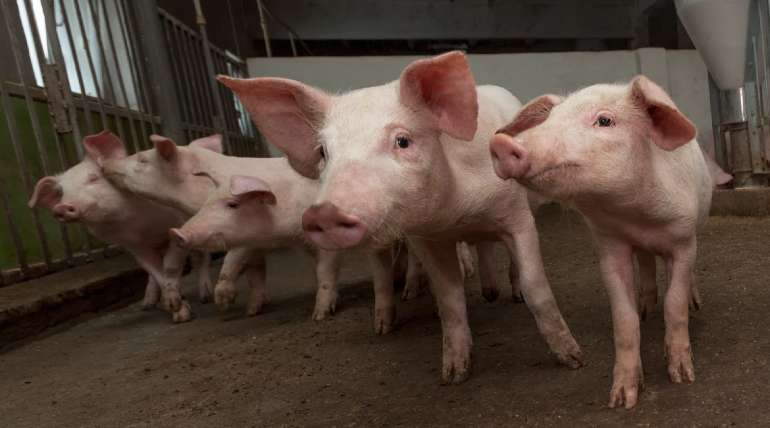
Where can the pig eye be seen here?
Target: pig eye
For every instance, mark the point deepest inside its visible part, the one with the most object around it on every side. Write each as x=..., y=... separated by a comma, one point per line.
x=402, y=142
x=322, y=152
x=91, y=178
x=141, y=159
x=604, y=122
x=232, y=204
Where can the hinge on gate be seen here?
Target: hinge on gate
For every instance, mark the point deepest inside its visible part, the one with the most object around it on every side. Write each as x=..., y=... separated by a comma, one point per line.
x=56, y=102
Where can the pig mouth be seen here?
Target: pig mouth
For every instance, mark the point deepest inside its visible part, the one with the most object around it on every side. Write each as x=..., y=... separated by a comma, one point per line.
x=551, y=172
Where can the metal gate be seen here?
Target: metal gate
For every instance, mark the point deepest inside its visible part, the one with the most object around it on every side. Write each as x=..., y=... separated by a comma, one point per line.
x=71, y=68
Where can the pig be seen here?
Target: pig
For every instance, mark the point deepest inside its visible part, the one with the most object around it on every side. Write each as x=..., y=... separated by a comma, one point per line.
x=416, y=281
x=184, y=177
x=626, y=158
x=82, y=195
x=409, y=159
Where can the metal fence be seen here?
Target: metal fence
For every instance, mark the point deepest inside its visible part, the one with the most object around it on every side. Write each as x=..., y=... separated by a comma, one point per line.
x=74, y=67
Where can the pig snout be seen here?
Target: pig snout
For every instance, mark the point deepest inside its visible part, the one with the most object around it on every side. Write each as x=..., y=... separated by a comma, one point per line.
x=330, y=228
x=66, y=213
x=509, y=158
x=179, y=238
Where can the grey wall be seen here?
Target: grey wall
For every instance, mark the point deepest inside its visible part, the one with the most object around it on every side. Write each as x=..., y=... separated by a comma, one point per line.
x=681, y=72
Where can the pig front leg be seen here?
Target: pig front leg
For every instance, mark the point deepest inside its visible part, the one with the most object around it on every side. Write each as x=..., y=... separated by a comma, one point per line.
x=513, y=279
x=440, y=261
x=648, y=289
x=256, y=275
x=173, y=266
x=201, y=265
x=327, y=268
x=615, y=260
x=676, y=314
x=381, y=262
x=524, y=246
x=487, y=271
x=233, y=265
x=153, y=261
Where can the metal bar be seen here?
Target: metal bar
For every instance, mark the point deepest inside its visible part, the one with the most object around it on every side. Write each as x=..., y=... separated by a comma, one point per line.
x=183, y=103
x=131, y=50
x=13, y=32
x=263, y=24
x=79, y=74
x=18, y=243
x=198, y=109
x=212, y=76
x=199, y=69
x=100, y=42
x=159, y=68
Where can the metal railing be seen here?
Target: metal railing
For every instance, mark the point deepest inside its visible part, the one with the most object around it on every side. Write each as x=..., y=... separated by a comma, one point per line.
x=72, y=68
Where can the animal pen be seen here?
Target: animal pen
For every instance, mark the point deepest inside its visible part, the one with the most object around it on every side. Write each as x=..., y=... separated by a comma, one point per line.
x=73, y=68
x=430, y=212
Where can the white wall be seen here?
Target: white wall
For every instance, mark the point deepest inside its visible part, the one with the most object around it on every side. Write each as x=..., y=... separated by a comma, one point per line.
x=681, y=72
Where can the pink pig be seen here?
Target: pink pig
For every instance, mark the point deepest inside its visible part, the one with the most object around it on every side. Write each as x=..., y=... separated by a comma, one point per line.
x=409, y=159
x=185, y=177
x=626, y=158
x=81, y=194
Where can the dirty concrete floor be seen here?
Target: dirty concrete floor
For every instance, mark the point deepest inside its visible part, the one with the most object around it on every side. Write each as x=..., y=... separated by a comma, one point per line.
x=134, y=368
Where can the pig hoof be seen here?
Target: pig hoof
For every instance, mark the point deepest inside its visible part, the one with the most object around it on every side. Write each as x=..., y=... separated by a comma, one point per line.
x=184, y=314
x=224, y=295
x=321, y=312
x=172, y=301
x=680, y=366
x=517, y=297
x=254, y=308
x=490, y=293
x=384, y=320
x=410, y=292
x=571, y=355
x=456, y=369
x=204, y=296
x=625, y=389
x=325, y=302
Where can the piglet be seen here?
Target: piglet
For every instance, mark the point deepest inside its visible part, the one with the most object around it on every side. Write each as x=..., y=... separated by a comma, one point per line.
x=82, y=195
x=408, y=159
x=626, y=158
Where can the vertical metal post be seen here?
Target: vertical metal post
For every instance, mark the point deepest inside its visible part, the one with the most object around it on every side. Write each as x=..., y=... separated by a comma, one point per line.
x=218, y=107
x=156, y=57
x=265, y=35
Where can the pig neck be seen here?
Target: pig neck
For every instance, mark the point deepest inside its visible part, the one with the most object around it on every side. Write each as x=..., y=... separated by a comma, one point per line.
x=139, y=223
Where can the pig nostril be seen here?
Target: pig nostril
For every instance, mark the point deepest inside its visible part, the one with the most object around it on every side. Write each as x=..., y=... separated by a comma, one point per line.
x=348, y=225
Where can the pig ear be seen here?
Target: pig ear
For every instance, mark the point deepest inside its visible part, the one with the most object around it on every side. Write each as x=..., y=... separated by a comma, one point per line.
x=532, y=114
x=288, y=113
x=242, y=187
x=165, y=147
x=47, y=193
x=445, y=86
x=670, y=128
x=212, y=142
x=104, y=145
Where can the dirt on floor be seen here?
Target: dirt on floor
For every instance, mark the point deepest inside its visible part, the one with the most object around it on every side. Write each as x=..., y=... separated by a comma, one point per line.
x=134, y=368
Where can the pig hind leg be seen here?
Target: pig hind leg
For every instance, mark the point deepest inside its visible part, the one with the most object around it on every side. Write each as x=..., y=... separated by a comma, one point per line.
x=326, y=270
x=648, y=289
x=151, y=293
x=381, y=262
x=256, y=276
x=416, y=280
x=487, y=271
x=440, y=261
x=201, y=266
x=465, y=256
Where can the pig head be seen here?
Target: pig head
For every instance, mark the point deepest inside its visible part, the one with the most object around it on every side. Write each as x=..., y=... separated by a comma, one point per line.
x=379, y=151
x=164, y=174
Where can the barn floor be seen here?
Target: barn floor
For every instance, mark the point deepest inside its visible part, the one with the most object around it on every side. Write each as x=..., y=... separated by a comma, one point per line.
x=134, y=368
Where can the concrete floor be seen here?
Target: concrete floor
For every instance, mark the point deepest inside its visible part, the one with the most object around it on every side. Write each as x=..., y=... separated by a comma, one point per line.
x=135, y=368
